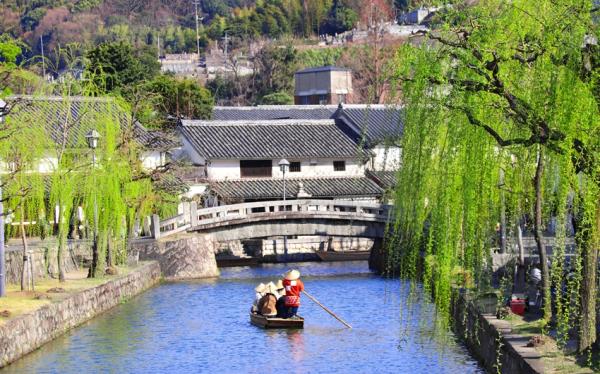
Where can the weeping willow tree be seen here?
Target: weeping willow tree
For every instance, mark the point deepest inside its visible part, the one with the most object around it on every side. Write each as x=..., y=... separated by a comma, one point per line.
x=499, y=122
x=108, y=184
x=53, y=177
x=23, y=186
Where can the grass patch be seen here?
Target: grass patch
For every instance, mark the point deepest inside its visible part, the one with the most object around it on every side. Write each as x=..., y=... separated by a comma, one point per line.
x=17, y=302
x=556, y=361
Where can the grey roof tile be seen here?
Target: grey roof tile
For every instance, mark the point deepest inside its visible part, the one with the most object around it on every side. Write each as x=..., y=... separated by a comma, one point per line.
x=268, y=188
x=386, y=179
x=374, y=124
x=273, y=112
x=371, y=124
x=74, y=116
x=268, y=139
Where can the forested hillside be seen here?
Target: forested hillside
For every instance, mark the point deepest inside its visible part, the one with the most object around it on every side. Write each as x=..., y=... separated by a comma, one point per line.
x=141, y=21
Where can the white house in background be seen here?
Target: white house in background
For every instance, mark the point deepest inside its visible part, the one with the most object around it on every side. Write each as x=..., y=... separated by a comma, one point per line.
x=374, y=129
x=73, y=116
x=239, y=160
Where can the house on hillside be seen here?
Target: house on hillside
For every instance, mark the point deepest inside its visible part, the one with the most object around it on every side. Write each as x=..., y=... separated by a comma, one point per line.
x=325, y=85
x=239, y=160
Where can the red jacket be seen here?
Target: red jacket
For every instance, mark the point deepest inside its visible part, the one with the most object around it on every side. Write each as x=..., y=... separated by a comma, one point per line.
x=293, y=289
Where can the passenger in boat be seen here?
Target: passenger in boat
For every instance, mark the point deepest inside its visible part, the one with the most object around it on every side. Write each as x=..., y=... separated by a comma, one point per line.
x=293, y=288
x=280, y=305
x=260, y=291
x=266, y=305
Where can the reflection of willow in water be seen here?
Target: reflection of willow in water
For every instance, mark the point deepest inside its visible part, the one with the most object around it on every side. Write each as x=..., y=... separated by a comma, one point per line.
x=419, y=322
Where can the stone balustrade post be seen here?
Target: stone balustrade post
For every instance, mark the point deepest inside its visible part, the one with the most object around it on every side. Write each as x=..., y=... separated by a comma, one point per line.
x=194, y=214
x=155, y=226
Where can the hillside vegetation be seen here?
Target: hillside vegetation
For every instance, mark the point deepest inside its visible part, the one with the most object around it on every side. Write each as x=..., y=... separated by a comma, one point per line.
x=59, y=22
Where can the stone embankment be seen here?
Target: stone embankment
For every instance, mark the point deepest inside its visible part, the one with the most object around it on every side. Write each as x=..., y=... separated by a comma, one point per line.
x=184, y=256
x=28, y=332
x=492, y=342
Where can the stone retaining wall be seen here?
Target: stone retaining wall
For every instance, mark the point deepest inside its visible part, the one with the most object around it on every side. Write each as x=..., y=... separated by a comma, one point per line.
x=43, y=254
x=183, y=256
x=28, y=332
x=491, y=340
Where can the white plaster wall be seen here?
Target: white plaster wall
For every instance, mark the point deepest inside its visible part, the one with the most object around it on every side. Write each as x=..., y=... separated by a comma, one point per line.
x=195, y=189
x=230, y=169
x=152, y=160
x=322, y=168
x=386, y=157
x=224, y=169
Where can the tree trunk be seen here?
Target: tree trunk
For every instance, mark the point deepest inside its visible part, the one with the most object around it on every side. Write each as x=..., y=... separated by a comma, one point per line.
x=502, y=214
x=109, y=250
x=61, y=246
x=25, y=269
x=94, y=265
x=539, y=241
x=588, y=244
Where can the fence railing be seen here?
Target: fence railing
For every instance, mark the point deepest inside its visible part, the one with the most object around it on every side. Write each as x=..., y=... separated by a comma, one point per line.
x=193, y=217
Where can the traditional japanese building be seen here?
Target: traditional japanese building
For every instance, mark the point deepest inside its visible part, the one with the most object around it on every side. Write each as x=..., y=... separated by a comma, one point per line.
x=334, y=152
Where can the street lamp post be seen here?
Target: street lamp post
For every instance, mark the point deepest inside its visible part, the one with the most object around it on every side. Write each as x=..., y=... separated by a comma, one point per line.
x=3, y=106
x=284, y=166
x=92, y=138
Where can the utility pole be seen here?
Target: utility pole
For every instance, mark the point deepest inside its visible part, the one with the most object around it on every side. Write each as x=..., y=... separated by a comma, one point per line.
x=196, y=3
x=43, y=57
x=158, y=46
x=3, y=110
x=226, y=41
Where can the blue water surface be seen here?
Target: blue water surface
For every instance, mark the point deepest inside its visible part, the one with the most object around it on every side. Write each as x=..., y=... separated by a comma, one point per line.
x=203, y=327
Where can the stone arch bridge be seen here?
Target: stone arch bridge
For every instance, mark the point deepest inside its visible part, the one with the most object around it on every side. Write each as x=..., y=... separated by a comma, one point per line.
x=186, y=244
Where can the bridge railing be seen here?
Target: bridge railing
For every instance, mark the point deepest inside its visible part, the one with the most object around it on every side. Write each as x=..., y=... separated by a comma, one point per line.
x=194, y=217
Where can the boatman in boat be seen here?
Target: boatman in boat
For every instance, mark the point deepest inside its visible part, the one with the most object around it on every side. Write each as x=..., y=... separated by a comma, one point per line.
x=293, y=288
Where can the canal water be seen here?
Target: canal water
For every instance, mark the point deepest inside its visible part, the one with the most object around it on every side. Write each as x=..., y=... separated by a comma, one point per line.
x=203, y=327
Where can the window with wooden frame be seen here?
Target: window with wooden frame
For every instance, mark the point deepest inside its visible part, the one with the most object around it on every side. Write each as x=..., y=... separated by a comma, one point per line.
x=339, y=165
x=256, y=168
x=295, y=167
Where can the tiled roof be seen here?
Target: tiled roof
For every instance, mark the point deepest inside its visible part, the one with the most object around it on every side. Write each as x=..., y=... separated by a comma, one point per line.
x=267, y=188
x=268, y=139
x=375, y=124
x=371, y=124
x=74, y=116
x=385, y=179
x=322, y=68
x=273, y=112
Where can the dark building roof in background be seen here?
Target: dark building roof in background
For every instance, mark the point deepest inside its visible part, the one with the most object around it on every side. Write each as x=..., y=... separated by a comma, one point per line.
x=375, y=124
x=267, y=140
x=385, y=179
x=74, y=116
x=322, y=68
x=371, y=124
x=272, y=112
x=327, y=187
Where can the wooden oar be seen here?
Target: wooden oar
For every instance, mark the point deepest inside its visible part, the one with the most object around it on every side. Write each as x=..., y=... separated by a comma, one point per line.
x=326, y=309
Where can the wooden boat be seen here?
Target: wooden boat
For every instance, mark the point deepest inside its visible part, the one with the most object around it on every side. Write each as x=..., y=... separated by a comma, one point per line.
x=343, y=256
x=224, y=262
x=276, y=323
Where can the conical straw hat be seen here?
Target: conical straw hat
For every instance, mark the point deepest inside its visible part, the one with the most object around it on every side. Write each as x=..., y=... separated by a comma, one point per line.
x=292, y=274
x=260, y=288
x=271, y=288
